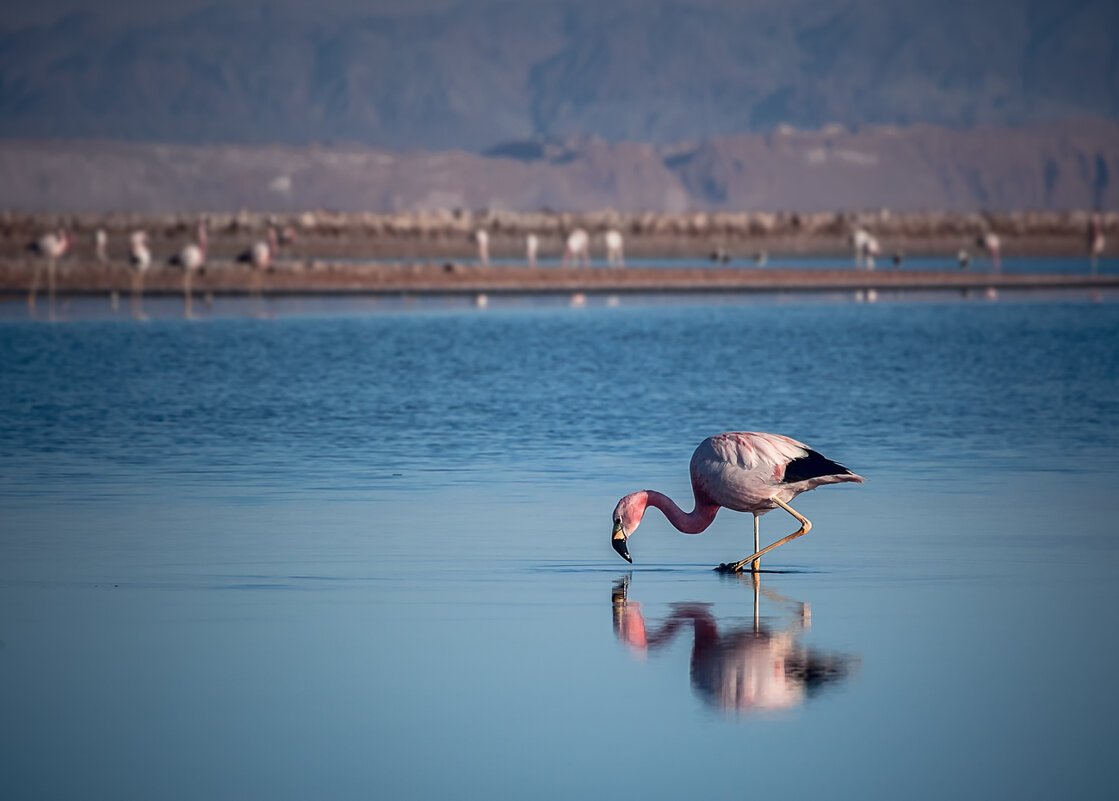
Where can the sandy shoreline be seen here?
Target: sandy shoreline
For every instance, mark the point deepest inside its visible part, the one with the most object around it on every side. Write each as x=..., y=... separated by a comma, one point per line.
x=333, y=278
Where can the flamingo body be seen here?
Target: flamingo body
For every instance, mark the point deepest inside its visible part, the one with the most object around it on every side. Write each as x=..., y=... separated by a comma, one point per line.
x=741, y=470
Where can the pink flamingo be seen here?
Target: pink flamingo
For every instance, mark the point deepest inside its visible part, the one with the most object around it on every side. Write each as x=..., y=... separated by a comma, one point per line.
x=52, y=247
x=741, y=470
x=990, y=242
x=260, y=256
x=191, y=259
x=1096, y=241
x=614, y=244
x=578, y=247
x=139, y=259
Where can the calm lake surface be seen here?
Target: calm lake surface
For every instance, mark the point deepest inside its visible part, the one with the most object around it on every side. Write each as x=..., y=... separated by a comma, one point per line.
x=367, y=555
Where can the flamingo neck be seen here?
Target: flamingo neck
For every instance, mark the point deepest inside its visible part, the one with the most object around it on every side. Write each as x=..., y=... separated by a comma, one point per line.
x=692, y=522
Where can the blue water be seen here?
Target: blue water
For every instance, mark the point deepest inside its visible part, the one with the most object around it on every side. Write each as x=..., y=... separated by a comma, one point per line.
x=366, y=555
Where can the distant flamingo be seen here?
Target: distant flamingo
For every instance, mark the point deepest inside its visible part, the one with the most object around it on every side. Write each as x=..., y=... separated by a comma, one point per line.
x=101, y=246
x=870, y=251
x=859, y=239
x=139, y=259
x=990, y=242
x=1096, y=241
x=532, y=247
x=483, y=240
x=578, y=244
x=743, y=471
x=52, y=247
x=614, y=255
x=260, y=257
x=191, y=259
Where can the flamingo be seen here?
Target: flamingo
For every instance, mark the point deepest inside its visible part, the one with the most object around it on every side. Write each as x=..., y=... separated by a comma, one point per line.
x=532, y=246
x=1096, y=241
x=614, y=256
x=483, y=240
x=990, y=242
x=52, y=247
x=101, y=245
x=859, y=239
x=577, y=247
x=191, y=258
x=741, y=470
x=139, y=259
x=260, y=257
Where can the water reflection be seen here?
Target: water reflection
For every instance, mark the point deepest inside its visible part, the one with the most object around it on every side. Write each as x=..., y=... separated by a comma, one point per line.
x=746, y=669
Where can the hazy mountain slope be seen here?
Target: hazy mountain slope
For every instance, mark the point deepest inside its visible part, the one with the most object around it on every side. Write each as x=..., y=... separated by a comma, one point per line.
x=1056, y=166
x=473, y=74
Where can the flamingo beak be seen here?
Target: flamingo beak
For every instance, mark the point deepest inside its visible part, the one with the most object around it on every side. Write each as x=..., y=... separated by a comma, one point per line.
x=618, y=540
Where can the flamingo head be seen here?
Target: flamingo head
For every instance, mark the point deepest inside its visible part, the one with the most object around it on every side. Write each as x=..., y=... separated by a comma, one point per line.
x=627, y=517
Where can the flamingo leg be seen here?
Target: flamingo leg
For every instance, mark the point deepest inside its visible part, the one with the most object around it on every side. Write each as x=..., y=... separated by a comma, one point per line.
x=50, y=288
x=35, y=275
x=805, y=527
x=187, y=312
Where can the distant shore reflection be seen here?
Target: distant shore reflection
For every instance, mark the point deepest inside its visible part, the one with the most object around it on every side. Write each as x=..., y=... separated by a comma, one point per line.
x=759, y=667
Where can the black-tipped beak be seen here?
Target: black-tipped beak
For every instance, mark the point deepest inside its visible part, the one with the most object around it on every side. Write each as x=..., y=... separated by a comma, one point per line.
x=619, y=542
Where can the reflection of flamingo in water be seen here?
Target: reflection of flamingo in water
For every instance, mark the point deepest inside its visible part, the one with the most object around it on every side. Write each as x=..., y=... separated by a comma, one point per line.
x=52, y=247
x=191, y=259
x=742, y=470
x=745, y=668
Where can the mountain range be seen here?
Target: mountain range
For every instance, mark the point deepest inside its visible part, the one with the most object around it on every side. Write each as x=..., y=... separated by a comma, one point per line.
x=474, y=74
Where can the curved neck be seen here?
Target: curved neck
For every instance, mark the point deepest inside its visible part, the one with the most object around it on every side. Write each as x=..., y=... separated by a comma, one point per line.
x=688, y=522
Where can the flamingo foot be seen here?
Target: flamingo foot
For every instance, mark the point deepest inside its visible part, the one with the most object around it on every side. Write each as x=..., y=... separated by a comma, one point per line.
x=747, y=564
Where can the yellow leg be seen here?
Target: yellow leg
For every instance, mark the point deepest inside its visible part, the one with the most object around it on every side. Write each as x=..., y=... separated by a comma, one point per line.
x=805, y=527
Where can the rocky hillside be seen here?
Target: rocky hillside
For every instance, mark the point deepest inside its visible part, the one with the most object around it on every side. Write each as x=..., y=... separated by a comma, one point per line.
x=1058, y=166
x=445, y=74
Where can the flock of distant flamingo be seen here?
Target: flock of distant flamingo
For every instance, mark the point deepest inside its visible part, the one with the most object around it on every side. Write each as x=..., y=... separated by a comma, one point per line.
x=191, y=258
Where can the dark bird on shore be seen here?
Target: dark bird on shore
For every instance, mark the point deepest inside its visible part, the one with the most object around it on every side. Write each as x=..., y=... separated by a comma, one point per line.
x=745, y=471
x=720, y=255
x=898, y=258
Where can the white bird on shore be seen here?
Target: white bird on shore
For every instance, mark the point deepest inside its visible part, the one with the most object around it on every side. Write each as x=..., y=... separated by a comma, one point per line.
x=139, y=259
x=578, y=246
x=870, y=251
x=614, y=243
x=990, y=242
x=1096, y=241
x=532, y=247
x=859, y=239
x=52, y=247
x=483, y=240
x=260, y=258
x=101, y=245
x=963, y=258
x=191, y=259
